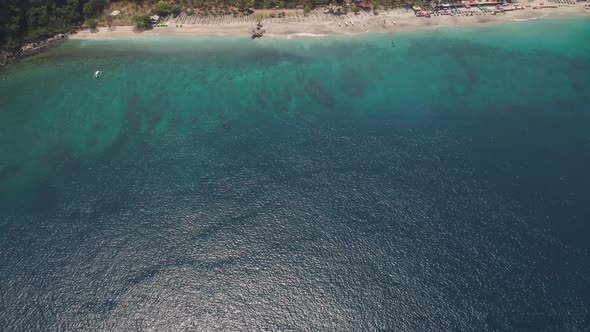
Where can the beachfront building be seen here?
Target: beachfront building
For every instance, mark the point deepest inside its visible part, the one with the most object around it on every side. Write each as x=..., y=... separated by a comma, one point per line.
x=473, y=3
x=364, y=5
x=246, y=11
x=420, y=12
x=507, y=8
x=334, y=10
x=442, y=5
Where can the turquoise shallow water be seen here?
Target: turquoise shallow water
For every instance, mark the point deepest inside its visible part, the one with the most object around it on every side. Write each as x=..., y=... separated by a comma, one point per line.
x=191, y=87
x=331, y=184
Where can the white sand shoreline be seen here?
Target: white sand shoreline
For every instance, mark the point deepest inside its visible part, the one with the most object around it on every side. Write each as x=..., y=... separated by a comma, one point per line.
x=386, y=22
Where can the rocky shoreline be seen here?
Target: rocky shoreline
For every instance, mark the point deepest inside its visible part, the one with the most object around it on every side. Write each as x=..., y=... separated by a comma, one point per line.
x=7, y=57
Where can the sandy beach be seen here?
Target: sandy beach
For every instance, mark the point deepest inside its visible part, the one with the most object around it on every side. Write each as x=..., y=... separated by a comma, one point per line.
x=318, y=24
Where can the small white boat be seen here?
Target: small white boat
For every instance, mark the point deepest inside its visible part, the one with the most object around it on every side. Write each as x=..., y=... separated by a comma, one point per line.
x=98, y=74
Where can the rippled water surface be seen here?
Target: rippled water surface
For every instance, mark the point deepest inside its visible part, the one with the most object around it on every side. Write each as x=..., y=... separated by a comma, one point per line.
x=335, y=184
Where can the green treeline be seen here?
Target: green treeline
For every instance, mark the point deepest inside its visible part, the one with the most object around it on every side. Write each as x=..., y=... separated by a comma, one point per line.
x=30, y=20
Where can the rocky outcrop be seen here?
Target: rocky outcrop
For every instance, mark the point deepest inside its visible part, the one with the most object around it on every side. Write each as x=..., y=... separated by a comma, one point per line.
x=7, y=57
x=258, y=31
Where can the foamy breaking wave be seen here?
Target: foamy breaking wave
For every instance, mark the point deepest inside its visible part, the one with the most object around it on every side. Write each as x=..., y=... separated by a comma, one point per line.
x=529, y=19
x=298, y=34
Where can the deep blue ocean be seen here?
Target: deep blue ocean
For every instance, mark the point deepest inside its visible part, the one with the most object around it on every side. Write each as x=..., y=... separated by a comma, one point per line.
x=337, y=184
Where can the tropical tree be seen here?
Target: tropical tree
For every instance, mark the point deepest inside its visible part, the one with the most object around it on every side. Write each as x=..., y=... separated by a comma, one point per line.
x=267, y=4
x=142, y=22
x=94, y=7
x=92, y=24
x=377, y=5
x=176, y=10
x=163, y=7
